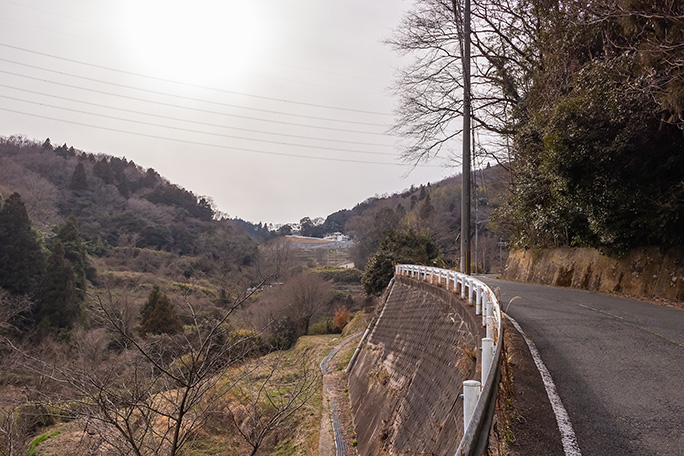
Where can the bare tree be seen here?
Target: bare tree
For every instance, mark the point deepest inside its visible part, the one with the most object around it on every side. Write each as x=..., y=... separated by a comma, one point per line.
x=504, y=37
x=304, y=296
x=276, y=259
x=265, y=400
x=12, y=310
x=153, y=395
x=13, y=433
x=13, y=430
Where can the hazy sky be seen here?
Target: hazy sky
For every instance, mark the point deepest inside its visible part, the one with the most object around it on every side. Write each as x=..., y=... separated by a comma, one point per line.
x=277, y=109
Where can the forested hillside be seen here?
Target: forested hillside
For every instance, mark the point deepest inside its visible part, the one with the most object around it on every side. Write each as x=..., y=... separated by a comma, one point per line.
x=433, y=209
x=584, y=100
x=112, y=198
x=128, y=310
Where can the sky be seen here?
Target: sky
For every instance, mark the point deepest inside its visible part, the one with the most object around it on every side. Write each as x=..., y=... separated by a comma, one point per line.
x=276, y=109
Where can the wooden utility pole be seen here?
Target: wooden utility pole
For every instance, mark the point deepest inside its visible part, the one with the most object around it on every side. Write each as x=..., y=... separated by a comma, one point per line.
x=465, y=193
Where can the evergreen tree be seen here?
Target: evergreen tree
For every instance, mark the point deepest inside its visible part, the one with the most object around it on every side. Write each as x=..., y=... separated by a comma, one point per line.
x=22, y=261
x=159, y=316
x=426, y=209
x=124, y=187
x=398, y=247
x=75, y=252
x=79, y=180
x=47, y=145
x=62, y=150
x=59, y=304
x=103, y=171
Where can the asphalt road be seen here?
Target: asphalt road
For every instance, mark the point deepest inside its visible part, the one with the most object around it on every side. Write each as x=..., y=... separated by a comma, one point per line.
x=618, y=365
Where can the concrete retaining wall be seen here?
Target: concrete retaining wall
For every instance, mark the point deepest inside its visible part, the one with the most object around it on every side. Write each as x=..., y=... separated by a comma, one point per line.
x=646, y=272
x=405, y=386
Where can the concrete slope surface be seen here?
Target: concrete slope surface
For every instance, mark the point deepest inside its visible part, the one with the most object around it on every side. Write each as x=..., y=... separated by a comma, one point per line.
x=618, y=365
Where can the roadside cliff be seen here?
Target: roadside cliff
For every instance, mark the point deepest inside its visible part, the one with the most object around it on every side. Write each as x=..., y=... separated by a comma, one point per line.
x=645, y=272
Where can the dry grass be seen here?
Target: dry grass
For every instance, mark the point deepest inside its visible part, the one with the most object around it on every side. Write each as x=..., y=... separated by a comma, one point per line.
x=298, y=436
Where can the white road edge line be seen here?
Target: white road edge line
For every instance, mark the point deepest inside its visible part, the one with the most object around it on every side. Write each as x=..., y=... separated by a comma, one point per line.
x=568, y=438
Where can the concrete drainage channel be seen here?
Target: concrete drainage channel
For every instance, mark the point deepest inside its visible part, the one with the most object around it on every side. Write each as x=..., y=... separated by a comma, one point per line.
x=479, y=397
x=338, y=434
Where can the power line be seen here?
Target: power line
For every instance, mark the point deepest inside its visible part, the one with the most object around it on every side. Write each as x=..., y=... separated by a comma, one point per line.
x=260, y=97
x=160, y=116
x=206, y=111
x=100, y=26
x=290, y=81
x=197, y=143
x=182, y=97
x=281, y=143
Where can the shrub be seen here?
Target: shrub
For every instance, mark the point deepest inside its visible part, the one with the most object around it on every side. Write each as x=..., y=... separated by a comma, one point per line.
x=339, y=275
x=341, y=318
x=325, y=326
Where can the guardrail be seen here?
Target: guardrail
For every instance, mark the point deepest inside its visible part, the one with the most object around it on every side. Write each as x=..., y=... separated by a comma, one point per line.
x=478, y=396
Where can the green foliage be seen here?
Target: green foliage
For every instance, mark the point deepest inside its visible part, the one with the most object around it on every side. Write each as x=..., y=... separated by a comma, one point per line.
x=59, y=303
x=175, y=196
x=79, y=180
x=98, y=248
x=33, y=446
x=102, y=170
x=397, y=247
x=22, y=261
x=159, y=316
x=596, y=166
x=324, y=326
x=426, y=208
x=339, y=275
x=283, y=334
x=75, y=252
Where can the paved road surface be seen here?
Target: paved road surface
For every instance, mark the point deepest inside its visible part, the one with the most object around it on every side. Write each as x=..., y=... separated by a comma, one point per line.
x=618, y=365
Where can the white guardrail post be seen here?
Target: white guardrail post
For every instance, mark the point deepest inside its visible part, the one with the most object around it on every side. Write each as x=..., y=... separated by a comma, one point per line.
x=477, y=395
x=471, y=394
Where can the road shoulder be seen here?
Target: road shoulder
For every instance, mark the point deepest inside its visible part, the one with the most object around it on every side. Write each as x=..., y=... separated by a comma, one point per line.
x=524, y=423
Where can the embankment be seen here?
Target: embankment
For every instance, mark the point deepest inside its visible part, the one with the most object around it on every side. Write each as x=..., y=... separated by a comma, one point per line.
x=405, y=386
x=645, y=272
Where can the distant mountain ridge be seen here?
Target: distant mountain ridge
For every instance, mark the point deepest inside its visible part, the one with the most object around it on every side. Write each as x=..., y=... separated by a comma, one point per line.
x=116, y=202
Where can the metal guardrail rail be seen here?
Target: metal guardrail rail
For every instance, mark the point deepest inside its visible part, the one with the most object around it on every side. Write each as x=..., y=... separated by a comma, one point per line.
x=478, y=396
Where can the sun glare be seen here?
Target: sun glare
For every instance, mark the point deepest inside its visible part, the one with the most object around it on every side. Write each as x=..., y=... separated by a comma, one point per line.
x=197, y=42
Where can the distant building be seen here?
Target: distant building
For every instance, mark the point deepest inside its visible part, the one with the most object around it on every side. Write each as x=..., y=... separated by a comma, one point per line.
x=337, y=237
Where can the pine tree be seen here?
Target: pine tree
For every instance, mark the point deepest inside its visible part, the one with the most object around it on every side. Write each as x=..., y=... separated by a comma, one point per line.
x=59, y=304
x=426, y=209
x=47, y=145
x=159, y=316
x=124, y=187
x=79, y=180
x=75, y=252
x=103, y=171
x=22, y=261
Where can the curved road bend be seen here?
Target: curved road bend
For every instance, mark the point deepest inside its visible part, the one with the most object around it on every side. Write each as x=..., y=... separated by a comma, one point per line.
x=618, y=365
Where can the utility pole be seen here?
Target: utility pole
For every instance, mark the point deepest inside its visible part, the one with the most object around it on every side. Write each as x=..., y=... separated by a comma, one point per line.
x=465, y=194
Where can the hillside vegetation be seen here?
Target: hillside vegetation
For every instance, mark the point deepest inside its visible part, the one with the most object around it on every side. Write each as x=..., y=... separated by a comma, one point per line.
x=433, y=210
x=584, y=101
x=128, y=310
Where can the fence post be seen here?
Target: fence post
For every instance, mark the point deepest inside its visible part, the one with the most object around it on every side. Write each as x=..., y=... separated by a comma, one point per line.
x=471, y=393
x=489, y=320
x=478, y=301
x=487, y=355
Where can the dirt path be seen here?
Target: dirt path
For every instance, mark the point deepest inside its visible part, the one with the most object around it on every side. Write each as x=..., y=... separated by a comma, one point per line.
x=337, y=437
